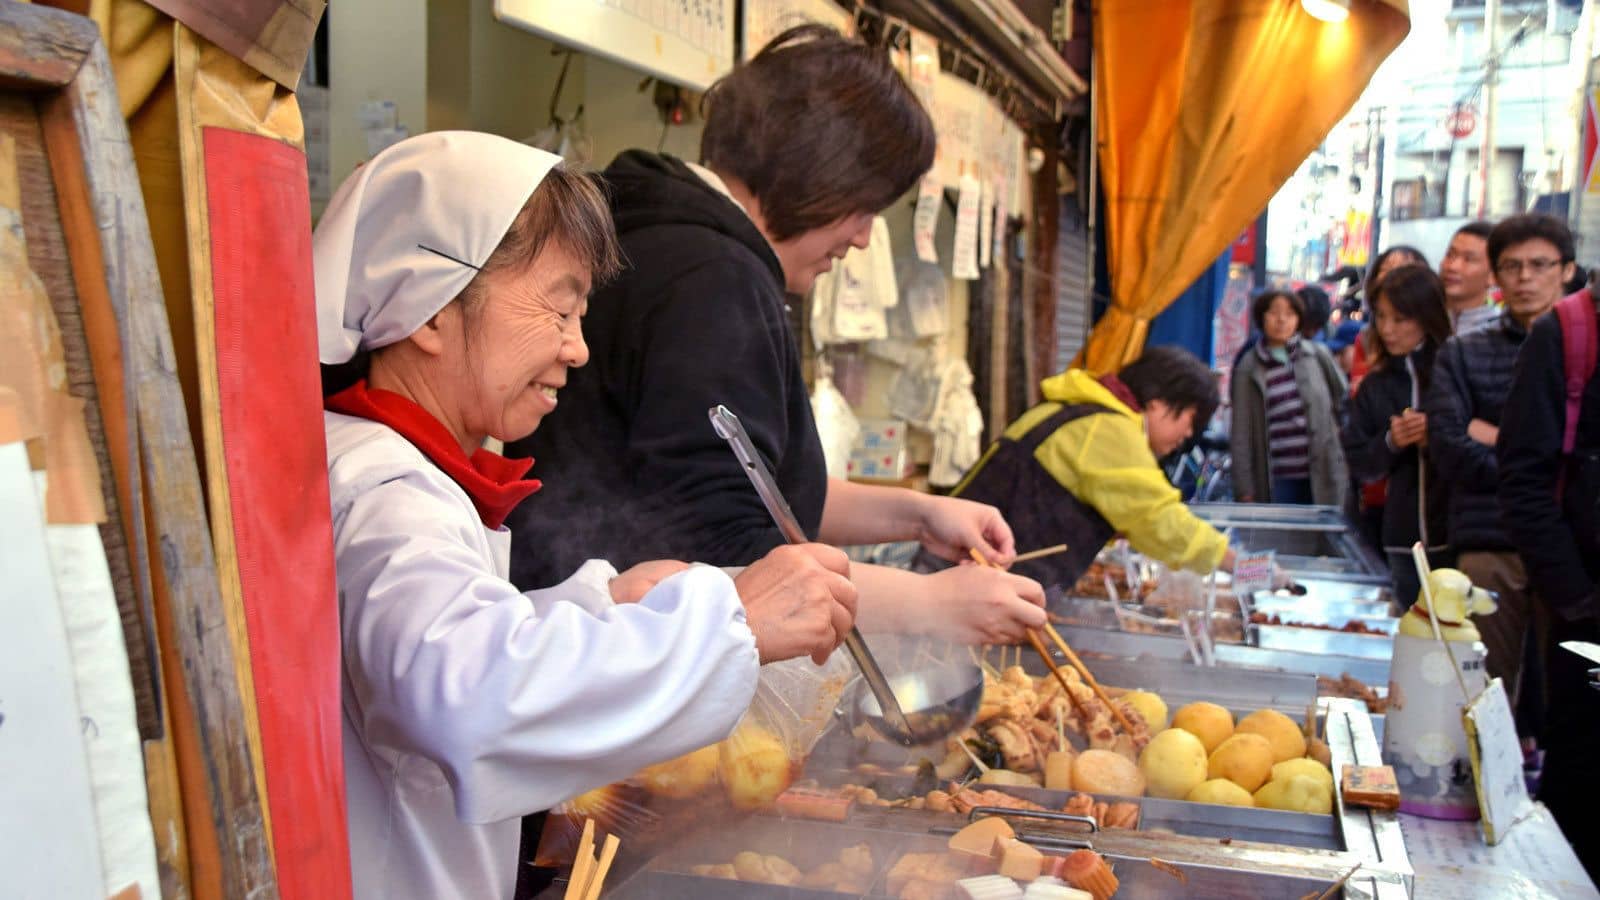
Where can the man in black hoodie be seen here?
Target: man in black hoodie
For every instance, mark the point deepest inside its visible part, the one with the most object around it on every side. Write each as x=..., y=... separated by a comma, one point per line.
x=1550, y=508
x=802, y=146
x=1465, y=404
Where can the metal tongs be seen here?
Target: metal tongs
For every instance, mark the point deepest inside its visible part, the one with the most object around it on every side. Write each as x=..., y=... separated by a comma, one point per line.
x=729, y=429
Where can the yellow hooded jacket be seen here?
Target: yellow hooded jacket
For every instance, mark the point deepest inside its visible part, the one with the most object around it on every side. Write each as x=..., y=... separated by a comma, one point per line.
x=1105, y=461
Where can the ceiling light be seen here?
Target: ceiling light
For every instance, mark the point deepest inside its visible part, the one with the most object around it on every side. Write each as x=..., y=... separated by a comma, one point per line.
x=1327, y=10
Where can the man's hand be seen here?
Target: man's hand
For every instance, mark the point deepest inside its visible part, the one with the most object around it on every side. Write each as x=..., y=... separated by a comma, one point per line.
x=798, y=601
x=951, y=527
x=983, y=605
x=1483, y=432
x=632, y=585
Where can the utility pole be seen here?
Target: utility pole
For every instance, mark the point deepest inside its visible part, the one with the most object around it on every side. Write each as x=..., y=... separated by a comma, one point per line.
x=1375, y=126
x=1491, y=75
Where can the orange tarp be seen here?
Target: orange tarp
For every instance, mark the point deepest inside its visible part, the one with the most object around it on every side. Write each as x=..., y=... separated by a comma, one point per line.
x=1205, y=108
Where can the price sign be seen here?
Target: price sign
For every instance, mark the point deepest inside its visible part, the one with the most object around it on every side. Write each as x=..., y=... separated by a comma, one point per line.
x=1496, y=762
x=1253, y=572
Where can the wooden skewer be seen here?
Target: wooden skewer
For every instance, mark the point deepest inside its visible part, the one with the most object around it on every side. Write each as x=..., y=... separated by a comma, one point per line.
x=1061, y=732
x=1087, y=676
x=1044, y=654
x=1040, y=553
x=607, y=854
x=582, y=864
x=1335, y=887
x=972, y=756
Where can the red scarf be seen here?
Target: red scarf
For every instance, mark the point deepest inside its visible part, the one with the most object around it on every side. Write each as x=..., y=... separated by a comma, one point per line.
x=494, y=482
x=1120, y=391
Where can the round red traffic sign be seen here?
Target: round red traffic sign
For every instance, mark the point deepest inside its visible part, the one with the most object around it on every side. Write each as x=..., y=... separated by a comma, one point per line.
x=1461, y=121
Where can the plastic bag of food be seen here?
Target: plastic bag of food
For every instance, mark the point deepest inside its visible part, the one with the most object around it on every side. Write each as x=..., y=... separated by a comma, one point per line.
x=793, y=704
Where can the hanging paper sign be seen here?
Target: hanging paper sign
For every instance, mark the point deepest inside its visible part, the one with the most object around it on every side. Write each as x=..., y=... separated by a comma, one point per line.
x=986, y=226
x=965, y=264
x=1496, y=762
x=926, y=219
x=1252, y=572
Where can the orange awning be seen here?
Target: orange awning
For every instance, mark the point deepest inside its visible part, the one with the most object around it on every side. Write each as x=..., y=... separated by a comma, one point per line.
x=1206, y=107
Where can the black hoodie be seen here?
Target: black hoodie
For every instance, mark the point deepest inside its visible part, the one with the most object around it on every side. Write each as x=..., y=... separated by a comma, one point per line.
x=632, y=469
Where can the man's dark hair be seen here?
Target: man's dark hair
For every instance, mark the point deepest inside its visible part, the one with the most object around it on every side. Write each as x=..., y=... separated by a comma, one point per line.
x=1514, y=230
x=1177, y=378
x=1480, y=229
x=819, y=127
x=1263, y=302
x=1319, y=308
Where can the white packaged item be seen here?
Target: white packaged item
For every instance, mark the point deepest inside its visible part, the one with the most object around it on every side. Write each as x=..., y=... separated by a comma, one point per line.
x=924, y=296
x=914, y=394
x=957, y=426
x=849, y=301
x=836, y=426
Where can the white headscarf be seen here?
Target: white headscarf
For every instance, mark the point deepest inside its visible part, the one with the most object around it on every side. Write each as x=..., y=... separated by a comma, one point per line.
x=407, y=231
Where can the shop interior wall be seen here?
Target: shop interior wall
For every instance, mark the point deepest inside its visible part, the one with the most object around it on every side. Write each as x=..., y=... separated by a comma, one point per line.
x=450, y=65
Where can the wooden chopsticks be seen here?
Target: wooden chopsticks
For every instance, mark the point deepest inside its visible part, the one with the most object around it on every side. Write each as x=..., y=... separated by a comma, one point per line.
x=587, y=876
x=1061, y=644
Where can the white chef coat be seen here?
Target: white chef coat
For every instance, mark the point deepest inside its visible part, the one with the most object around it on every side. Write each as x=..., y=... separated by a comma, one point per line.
x=468, y=704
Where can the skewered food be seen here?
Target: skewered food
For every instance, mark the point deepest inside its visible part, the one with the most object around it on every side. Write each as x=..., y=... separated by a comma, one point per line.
x=1173, y=764
x=1104, y=772
x=1353, y=688
x=1317, y=749
x=1221, y=791
x=850, y=873
x=1209, y=722
x=1244, y=759
x=1280, y=731
x=1354, y=626
x=979, y=838
x=1151, y=708
x=1087, y=870
x=1058, y=770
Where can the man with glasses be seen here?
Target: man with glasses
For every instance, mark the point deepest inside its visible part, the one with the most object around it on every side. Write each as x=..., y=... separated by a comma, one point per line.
x=1532, y=257
x=1467, y=278
x=1550, y=508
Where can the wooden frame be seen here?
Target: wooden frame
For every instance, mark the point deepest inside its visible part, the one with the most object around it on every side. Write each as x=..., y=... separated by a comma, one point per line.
x=153, y=486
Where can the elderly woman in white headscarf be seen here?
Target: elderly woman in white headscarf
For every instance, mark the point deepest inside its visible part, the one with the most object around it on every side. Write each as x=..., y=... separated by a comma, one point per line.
x=454, y=268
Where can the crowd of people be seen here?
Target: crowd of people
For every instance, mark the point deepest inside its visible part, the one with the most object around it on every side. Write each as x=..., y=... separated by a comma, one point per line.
x=1468, y=416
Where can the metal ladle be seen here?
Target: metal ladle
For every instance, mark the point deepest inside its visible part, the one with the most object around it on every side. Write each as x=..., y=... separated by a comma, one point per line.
x=944, y=700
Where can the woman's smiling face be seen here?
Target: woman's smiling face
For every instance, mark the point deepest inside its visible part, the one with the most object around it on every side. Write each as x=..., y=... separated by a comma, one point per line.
x=522, y=334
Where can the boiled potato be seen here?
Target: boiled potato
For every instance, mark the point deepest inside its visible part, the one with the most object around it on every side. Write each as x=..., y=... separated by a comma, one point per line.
x=754, y=766
x=1223, y=791
x=1207, y=721
x=685, y=776
x=1151, y=707
x=1244, y=759
x=1281, y=731
x=1173, y=764
x=1105, y=772
x=1299, y=793
x=1304, y=766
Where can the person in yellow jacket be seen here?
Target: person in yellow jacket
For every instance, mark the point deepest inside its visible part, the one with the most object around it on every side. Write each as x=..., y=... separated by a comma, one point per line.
x=1082, y=467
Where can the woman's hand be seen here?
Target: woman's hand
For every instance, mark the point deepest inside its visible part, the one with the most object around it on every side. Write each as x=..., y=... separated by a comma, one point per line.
x=1408, y=429
x=983, y=605
x=798, y=601
x=632, y=585
x=951, y=527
